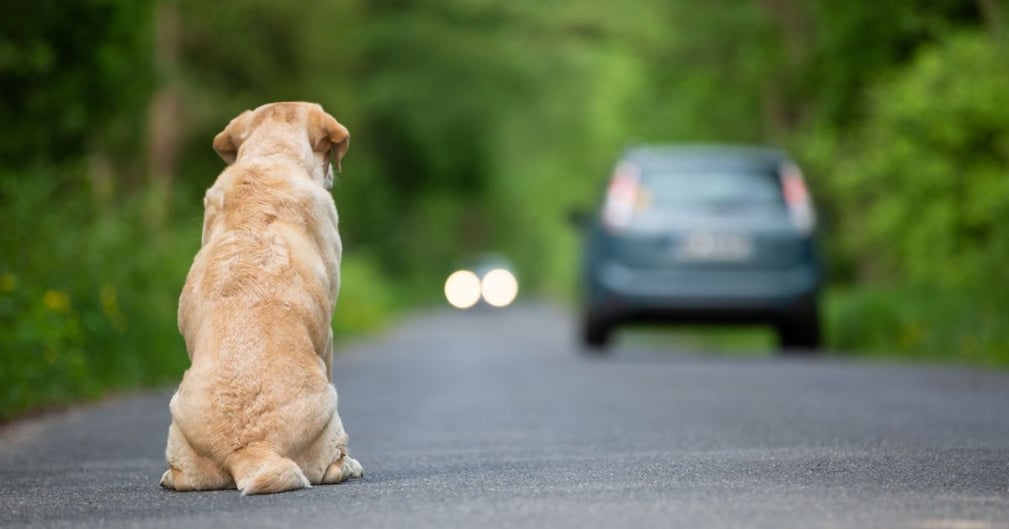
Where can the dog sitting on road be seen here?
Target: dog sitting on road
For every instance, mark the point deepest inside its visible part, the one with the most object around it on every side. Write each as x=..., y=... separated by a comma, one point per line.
x=257, y=410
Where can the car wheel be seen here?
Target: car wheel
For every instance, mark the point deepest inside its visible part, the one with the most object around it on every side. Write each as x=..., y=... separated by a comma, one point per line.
x=800, y=333
x=596, y=334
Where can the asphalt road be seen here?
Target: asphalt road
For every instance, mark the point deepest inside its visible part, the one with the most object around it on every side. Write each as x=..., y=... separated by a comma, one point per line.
x=495, y=420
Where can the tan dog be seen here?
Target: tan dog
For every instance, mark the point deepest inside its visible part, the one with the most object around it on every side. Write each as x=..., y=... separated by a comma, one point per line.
x=256, y=410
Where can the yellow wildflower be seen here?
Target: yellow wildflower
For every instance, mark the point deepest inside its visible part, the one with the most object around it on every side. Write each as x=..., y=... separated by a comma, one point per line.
x=7, y=282
x=110, y=299
x=110, y=306
x=56, y=301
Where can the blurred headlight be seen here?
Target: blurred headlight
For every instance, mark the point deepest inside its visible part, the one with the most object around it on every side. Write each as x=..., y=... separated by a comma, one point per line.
x=462, y=289
x=499, y=287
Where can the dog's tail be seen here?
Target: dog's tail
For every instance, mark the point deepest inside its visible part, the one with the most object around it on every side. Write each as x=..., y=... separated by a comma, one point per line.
x=260, y=470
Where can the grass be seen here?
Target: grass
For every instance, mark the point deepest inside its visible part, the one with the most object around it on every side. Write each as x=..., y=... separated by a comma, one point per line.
x=726, y=341
x=964, y=326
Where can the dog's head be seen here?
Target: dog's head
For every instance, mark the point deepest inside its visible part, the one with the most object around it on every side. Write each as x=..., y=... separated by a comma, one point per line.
x=301, y=129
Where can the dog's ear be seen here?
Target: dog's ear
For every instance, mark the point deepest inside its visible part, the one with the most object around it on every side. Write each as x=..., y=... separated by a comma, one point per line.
x=227, y=142
x=329, y=135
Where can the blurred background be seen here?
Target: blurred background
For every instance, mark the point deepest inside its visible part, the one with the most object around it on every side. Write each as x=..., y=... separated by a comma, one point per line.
x=478, y=125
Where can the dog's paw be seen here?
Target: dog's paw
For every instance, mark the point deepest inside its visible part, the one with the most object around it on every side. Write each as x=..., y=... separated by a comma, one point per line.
x=166, y=480
x=342, y=470
x=352, y=468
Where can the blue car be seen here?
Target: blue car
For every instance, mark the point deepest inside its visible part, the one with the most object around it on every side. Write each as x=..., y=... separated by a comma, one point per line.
x=703, y=234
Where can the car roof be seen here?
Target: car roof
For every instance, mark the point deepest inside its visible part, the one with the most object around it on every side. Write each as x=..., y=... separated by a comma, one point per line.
x=720, y=156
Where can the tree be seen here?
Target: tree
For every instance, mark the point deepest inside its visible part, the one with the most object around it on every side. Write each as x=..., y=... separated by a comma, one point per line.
x=72, y=78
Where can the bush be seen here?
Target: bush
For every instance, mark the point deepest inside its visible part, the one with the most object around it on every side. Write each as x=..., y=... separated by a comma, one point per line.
x=924, y=184
x=921, y=324
x=929, y=172
x=87, y=299
x=366, y=299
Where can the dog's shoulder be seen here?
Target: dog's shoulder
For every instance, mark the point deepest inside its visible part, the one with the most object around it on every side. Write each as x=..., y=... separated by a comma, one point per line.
x=257, y=215
x=259, y=192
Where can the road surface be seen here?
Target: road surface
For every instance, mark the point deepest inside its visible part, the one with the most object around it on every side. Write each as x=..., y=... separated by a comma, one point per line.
x=495, y=420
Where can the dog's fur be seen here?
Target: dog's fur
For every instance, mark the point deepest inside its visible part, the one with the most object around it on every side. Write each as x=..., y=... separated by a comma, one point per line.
x=256, y=410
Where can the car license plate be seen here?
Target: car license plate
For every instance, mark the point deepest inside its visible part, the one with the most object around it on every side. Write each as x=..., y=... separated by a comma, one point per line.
x=714, y=247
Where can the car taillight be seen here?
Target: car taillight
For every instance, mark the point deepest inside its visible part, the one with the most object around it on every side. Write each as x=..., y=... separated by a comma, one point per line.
x=622, y=197
x=797, y=199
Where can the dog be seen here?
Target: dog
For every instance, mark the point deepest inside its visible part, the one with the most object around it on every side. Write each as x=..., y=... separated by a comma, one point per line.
x=257, y=410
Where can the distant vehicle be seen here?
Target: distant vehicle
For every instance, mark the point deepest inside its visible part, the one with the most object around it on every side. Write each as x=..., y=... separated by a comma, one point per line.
x=703, y=234
x=488, y=281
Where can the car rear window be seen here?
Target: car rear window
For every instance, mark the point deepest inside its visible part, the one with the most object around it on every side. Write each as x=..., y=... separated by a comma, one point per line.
x=711, y=188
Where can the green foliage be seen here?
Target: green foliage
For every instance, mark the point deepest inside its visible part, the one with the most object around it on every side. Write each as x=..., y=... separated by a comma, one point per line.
x=85, y=302
x=366, y=301
x=858, y=44
x=928, y=170
x=73, y=75
x=926, y=173
x=87, y=298
x=924, y=324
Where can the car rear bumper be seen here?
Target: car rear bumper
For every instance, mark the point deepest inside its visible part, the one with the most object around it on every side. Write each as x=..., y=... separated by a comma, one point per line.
x=702, y=295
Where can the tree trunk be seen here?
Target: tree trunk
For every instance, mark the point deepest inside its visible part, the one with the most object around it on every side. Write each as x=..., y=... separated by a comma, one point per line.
x=991, y=12
x=783, y=110
x=163, y=121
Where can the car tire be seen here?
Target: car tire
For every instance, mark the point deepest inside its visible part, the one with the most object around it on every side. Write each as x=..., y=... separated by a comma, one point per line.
x=596, y=335
x=801, y=332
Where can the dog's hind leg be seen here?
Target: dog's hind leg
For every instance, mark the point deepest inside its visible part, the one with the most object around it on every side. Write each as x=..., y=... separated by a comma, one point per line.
x=188, y=470
x=341, y=466
x=325, y=461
